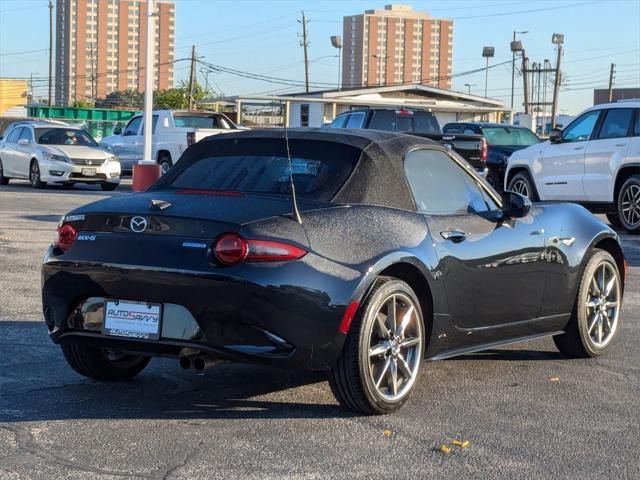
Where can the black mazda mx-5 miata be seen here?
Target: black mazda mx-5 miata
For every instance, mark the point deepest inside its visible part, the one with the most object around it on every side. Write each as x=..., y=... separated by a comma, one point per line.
x=389, y=250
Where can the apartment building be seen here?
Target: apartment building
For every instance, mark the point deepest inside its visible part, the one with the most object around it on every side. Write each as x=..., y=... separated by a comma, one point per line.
x=396, y=46
x=101, y=47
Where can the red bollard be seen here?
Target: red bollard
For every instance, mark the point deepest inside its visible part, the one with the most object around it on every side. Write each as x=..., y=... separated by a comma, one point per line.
x=145, y=175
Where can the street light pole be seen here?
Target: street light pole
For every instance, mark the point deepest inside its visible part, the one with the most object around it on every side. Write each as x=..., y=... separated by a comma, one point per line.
x=513, y=63
x=336, y=42
x=487, y=52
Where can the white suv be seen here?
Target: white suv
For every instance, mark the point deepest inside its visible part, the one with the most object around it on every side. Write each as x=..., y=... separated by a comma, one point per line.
x=594, y=161
x=43, y=152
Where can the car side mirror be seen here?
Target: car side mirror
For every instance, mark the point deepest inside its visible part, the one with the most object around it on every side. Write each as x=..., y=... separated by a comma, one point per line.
x=24, y=141
x=515, y=205
x=117, y=130
x=555, y=136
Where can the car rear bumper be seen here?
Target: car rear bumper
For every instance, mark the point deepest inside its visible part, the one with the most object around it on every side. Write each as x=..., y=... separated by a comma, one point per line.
x=283, y=317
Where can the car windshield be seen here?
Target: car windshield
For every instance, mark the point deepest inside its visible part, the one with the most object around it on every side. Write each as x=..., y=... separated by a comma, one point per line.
x=64, y=136
x=319, y=170
x=504, y=136
x=200, y=121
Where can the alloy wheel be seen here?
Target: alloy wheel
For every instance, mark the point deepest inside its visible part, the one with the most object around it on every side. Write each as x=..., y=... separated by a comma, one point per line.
x=521, y=187
x=395, y=347
x=34, y=173
x=603, y=305
x=631, y=205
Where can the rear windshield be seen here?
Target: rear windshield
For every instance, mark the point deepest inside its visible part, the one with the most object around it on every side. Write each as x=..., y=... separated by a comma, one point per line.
x=201, y=121
x=318, y=173
x=64, y=136
x=504, y=136
x=410, y=121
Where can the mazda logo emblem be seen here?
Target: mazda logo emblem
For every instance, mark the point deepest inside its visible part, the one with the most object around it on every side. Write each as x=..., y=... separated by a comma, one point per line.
x=138, y=224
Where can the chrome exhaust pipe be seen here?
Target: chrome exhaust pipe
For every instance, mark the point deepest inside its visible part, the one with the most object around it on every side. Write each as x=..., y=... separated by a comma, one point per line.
x=201, y=363
x=186, y=356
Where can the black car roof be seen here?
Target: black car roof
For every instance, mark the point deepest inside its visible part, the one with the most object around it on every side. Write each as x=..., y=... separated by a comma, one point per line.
x=378, y=177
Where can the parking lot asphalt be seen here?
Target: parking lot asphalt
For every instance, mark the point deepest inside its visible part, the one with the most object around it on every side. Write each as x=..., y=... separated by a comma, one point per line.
x=527, y=411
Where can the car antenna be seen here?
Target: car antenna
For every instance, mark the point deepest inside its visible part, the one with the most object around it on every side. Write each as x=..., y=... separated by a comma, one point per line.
x=294, y=202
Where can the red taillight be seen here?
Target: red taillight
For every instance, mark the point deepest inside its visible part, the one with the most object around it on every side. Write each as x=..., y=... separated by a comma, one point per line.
x=348, y=316
x=404, y=111
x=484, y=155
x=231, y=248
x=191, y=138
x=66, y=237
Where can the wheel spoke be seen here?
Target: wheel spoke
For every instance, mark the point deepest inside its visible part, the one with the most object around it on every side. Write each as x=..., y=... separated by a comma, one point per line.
x=600, y=328
x=406, y=318
x=595, y=287
x=384, y=331
x=608, y=321
x=610, y=305
x=610, y=284
x=404, y=368
x=601, y=284
x=409, y=342
x=378, y=349
x=391, y=314
x=392, y=377
x=593, y=322
x=383, y=373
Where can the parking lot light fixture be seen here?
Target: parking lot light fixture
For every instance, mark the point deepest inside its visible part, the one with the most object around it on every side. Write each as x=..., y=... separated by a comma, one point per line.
x=487, y=52
x=516, y=46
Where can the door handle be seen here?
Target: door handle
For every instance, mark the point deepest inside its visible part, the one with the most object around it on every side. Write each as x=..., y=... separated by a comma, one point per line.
x=620, y=145
x=456, y=236
x=578, y=148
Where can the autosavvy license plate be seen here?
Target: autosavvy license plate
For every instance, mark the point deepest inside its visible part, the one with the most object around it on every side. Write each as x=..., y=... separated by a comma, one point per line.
x=128, y=318
x=89, y=172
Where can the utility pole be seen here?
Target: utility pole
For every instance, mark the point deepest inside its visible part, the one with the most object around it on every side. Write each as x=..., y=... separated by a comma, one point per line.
x=525, y=71
x=611, y=76
x=50, y=51
x=556, y=86
x=304, y=45
x=192, y=77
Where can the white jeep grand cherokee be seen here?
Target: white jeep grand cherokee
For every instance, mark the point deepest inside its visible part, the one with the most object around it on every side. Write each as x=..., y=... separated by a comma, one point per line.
x=594, y=161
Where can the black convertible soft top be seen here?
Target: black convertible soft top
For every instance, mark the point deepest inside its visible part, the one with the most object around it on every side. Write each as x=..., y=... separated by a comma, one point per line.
x=377, y=179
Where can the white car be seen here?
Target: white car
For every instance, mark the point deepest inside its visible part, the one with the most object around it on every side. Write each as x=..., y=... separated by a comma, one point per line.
x=43, y=152
x=172, y=132
x=594, y=161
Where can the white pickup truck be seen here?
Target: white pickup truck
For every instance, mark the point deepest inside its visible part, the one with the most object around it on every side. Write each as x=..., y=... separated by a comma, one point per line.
x=173, y=132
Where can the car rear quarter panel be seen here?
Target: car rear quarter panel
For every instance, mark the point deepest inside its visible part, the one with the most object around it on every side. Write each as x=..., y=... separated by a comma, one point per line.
x=369, y=239
x=571, y=232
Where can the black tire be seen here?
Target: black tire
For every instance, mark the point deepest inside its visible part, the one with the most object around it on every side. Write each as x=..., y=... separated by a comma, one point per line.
x=614, y=220
x=577, y=340
x=109, y=187
x=165, y=162
x=522, y=181
x=3, y=180
x=628, y=205
x=351, y=376
x=495, y=180
x=95, y=363
x=34, y=175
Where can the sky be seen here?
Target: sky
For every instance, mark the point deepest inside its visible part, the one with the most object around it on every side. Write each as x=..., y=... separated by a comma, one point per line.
x=263, y=37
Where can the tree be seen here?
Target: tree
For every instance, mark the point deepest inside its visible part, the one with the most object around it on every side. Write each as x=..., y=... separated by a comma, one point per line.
x=131, y=99
x=178, y=98
x=81, y=103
